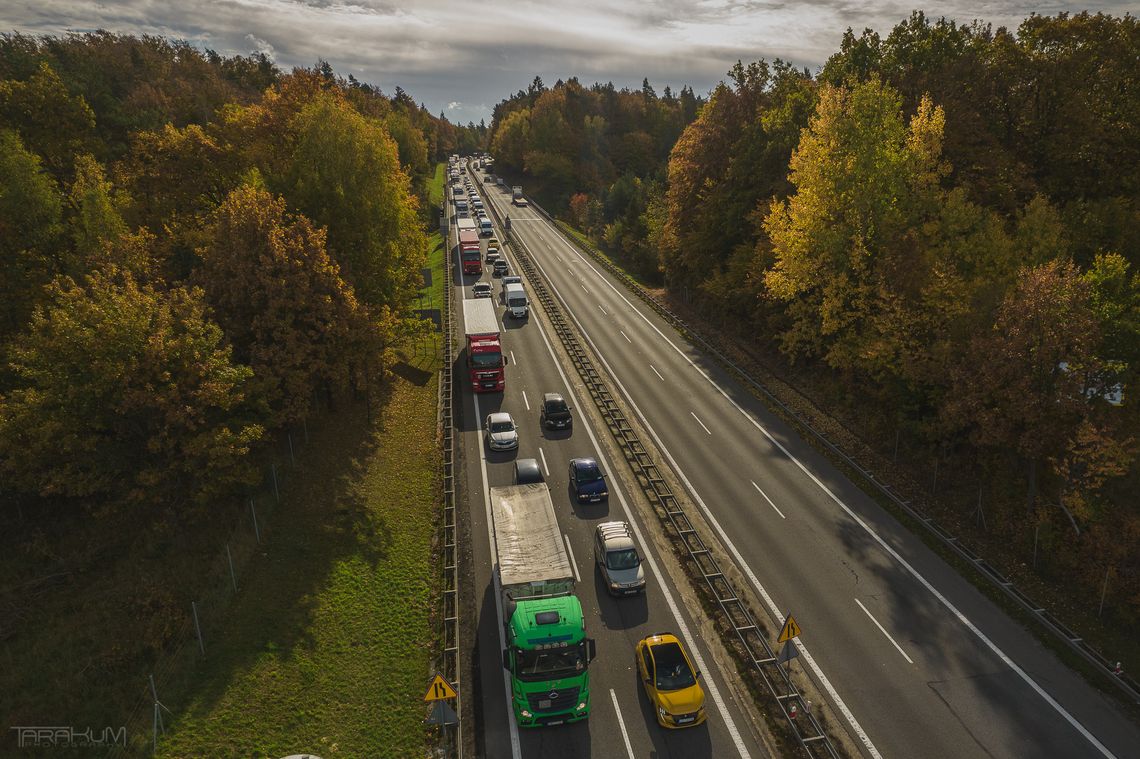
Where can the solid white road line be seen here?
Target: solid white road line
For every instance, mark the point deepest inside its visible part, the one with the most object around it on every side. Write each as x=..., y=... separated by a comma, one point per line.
x=621, y=724
x=710, y=684
x=769, y=500
x=524, y=391
x=573, y=561
x=516, y=749
x=657, y=373
x=906, y=565
x=542, y=456
x=884, y=632
x=623, y=334
x=703, y=427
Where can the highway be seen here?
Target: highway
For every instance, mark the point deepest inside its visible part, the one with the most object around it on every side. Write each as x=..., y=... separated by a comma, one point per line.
x=621, y=722
x=913, y=660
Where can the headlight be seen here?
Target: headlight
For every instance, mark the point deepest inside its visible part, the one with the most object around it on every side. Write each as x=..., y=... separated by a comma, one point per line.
x=582, y=706
x=525, y=714
x=661, y=712
x=615, y=586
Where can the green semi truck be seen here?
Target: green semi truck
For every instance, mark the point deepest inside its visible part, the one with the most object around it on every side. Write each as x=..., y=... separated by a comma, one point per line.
x=548, y=654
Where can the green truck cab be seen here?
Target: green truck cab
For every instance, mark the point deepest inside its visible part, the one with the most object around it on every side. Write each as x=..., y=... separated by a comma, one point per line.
x=548, y=655
x=547, y=651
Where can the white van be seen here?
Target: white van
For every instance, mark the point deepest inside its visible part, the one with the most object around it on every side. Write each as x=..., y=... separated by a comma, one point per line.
x=485, y=228
x=461, y=208
x=515, y=298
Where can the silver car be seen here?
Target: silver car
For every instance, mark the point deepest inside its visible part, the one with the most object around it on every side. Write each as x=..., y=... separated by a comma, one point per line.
x=618, y=559
x=501, y=432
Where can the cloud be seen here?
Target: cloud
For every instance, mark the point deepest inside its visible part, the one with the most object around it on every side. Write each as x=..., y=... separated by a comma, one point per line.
x=263, y=47
x=460, y=56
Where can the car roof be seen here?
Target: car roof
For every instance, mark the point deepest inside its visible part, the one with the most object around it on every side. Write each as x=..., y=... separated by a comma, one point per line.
x=553, y=397
x=527, y=470
x=658, y=638
x=583, y=463
x=481, y=285
x=500, y=416
x=616, y=535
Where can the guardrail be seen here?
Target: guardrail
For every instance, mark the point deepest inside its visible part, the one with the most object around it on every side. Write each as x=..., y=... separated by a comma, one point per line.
x=751, y=643
x=1047, y=621
x=450, y=664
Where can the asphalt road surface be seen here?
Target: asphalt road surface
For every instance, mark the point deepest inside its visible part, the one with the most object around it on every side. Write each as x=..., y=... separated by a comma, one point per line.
x=621, y=720
x=914, y=660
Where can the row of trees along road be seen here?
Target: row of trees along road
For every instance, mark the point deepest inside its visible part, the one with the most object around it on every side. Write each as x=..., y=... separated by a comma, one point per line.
x=192, y=248
x=943, y=223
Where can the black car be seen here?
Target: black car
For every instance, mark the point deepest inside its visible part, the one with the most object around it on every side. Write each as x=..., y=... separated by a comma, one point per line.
x=555, y=414
x=527, y=471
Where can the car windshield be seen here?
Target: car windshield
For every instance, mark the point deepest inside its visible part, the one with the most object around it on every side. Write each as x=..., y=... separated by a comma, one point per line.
x=487, y=360
x=587, y=473
x=549, y=663
x=673, y=672
x=555, y=407
x=507, y=426
x=625, y=559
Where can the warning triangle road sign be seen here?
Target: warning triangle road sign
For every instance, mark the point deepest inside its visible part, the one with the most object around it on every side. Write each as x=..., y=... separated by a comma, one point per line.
x=789, y=630
x=439, y=689
x=442, y=714
x=788, y=652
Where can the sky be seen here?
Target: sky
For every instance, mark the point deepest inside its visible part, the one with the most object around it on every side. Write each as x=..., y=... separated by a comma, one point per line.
x=461, y=58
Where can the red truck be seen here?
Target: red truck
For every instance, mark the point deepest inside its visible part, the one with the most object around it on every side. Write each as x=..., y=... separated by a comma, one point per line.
x=484, y=351
x=469, y=247
x=469, y=251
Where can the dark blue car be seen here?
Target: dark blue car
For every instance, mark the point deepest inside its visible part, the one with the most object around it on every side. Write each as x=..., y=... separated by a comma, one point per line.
x=587, y=480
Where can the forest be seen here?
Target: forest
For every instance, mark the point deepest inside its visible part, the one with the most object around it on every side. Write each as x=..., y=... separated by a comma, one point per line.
x=192, y=249
x=941, y=226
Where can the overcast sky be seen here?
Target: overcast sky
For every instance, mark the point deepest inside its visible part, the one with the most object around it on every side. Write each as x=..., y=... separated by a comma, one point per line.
x=461, y=58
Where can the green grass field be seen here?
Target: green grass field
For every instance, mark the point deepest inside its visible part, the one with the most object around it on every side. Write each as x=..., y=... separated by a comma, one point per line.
x=329, y=647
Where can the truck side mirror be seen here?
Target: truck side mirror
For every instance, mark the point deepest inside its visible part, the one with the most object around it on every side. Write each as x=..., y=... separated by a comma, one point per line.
x=506, y=658
x=591, y=649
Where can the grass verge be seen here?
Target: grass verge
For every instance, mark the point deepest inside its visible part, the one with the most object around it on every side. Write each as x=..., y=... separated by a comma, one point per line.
x=329, y=645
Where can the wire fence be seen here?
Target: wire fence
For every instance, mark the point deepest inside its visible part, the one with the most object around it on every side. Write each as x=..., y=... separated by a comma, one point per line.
x=219, y=582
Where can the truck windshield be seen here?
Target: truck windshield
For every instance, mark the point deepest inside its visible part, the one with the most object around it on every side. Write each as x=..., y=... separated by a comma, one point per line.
x=549, y=663
x=487, y=360
x=517, y=302
x=626, y=559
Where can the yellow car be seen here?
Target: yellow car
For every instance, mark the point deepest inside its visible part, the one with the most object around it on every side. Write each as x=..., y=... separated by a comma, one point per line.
x=670, y=681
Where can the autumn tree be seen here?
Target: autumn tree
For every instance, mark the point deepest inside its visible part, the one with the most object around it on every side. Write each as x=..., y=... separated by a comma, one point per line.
x=345, y=174
x=96, y=220
x=281, y=302
x=1023, y=385
x=847, y=253
x=31, y=211
x=51, y=121
x=125, y=394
